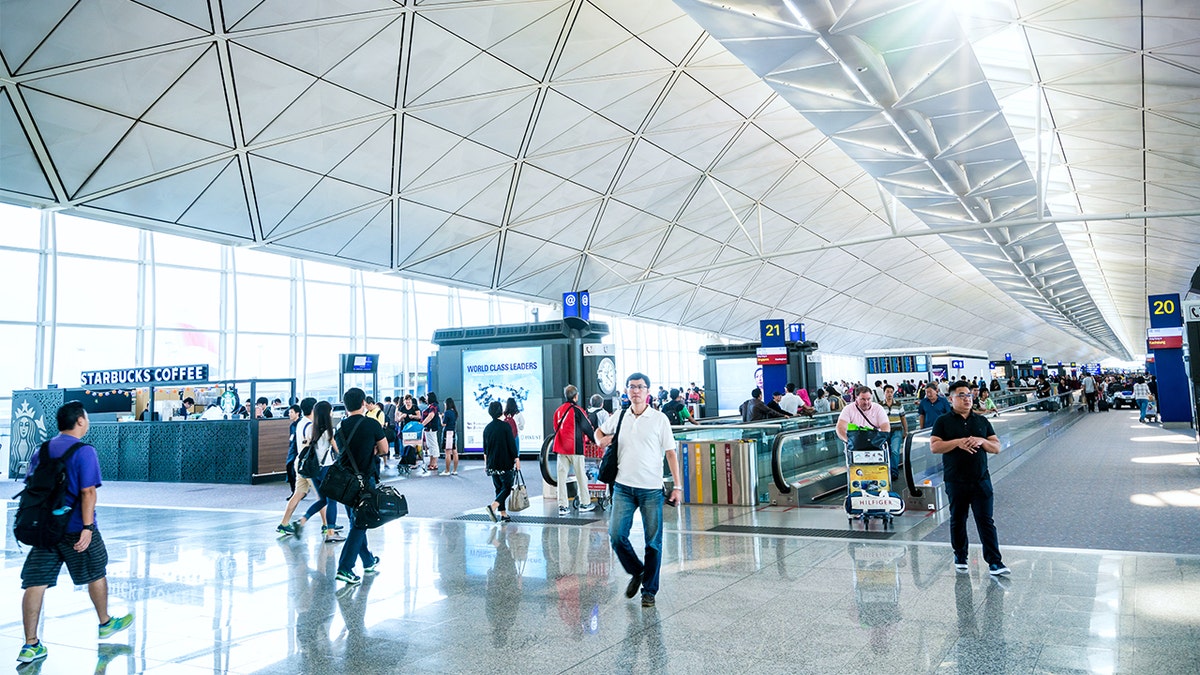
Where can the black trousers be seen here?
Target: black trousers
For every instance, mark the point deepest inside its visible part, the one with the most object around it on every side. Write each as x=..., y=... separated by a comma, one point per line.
x=978, y=499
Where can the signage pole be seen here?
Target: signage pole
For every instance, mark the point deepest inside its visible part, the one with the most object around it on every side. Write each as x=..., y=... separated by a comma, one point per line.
x=1165, y=342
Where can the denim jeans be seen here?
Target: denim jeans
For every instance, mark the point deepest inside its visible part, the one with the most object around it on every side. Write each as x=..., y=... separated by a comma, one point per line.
x=322, y=502
x=978, y=498
x=625, y=501
x=356, y=543
x=355, y=547
x=1142, y=403
x=896, y=445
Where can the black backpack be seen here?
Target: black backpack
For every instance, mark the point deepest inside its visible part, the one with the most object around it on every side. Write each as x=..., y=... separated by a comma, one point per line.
x=671, y=410
x=41, y=516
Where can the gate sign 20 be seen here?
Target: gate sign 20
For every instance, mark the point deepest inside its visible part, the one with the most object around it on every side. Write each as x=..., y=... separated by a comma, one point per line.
x=1165, y=311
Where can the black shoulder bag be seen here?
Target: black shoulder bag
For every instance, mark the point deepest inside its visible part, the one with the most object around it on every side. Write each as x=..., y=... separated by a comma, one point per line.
x=343, y=484
x=608, y=464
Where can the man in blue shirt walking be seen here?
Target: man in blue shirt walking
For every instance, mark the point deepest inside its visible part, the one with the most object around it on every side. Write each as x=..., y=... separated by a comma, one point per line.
x=81, y=549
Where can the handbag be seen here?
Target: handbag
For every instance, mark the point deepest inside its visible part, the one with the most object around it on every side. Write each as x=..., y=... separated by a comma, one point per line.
x=343, y=484
x=518, y=499
x=608, y=463
x=379, y=504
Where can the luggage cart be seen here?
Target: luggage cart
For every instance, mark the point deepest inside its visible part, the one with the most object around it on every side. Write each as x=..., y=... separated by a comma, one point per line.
x=410, y=448
x=869, y=492
x=592, y=454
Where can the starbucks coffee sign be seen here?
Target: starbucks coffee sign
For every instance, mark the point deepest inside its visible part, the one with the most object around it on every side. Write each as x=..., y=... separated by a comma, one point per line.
x=151, y=375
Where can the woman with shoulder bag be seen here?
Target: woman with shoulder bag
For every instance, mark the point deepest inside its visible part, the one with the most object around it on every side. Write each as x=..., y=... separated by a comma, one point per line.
x=322, y=439
x=303, y=482
x=500, y=456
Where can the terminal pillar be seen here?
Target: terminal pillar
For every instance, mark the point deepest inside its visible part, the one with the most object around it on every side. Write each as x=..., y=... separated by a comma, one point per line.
x=1165, y=340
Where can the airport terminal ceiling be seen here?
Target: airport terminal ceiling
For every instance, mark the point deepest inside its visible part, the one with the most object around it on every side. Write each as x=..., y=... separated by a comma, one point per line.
x=891, y=173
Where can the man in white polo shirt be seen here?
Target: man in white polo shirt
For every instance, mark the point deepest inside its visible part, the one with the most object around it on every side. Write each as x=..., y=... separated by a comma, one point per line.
x=645, y=437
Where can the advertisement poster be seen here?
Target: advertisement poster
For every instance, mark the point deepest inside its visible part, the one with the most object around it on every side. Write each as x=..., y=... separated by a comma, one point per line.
x=735, y=379
x=495, y=375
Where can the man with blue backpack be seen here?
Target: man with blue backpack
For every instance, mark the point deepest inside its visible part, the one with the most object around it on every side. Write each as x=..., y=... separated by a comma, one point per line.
x=56, y=516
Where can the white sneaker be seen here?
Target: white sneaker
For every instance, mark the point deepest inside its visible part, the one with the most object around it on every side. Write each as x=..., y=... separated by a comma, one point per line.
x=563, y=511
x=590, y=506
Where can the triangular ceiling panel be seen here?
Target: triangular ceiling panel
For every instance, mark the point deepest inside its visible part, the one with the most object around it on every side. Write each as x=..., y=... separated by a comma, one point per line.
x=488, y=120
x=603, y=47
x=321, y=105
x=526, y=256
x=222, y=207
x=461, y=69
x=265, y=88
x=130, y=86
x=426, y=231
x=265, y=13
x=626, y=100
x=574, y=221
x=100, y=28
x=147, y=150
x=334, y=152
x=336, y=234
x=25, y=25
x=439, y=156
x=194, y=12
x=78, y=137
x=196, y=104
x=20, y=170
x=167, y=198
x=520, y=34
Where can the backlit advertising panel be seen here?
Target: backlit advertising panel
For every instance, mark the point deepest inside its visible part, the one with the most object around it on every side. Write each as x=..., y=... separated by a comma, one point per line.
x=735, y=379
x=495, y=375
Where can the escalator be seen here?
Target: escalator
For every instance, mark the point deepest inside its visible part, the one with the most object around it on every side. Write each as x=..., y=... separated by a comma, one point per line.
x=800, y=461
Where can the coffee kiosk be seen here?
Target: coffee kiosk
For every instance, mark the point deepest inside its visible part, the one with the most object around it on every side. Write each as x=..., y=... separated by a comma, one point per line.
x=168, y=446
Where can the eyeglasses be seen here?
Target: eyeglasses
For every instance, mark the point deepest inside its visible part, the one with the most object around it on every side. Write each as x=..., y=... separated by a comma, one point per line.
x=966, y=397
x=635, y=387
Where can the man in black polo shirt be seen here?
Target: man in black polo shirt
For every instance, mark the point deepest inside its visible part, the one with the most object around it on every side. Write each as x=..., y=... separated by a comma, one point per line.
x=964, y=439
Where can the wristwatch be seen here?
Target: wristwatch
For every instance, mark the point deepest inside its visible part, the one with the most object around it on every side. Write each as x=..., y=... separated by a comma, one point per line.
x=90, y=526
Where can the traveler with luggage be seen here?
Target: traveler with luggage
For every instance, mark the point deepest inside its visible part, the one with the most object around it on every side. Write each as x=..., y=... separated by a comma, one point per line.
x=572, y=430
x=501, y=458
x=66, y=461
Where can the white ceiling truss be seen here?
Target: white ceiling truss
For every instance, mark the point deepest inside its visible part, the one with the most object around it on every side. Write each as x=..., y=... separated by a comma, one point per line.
x=893, y=173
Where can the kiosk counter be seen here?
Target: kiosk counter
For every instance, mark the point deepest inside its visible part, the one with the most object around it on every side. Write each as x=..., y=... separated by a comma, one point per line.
x=240, y=451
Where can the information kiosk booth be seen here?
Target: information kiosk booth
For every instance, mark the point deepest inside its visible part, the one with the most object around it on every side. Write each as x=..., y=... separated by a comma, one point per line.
x=531, y=363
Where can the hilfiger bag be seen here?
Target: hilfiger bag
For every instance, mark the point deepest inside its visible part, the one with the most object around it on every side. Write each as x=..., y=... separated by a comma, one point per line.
x=518, y=499
x=608, y=463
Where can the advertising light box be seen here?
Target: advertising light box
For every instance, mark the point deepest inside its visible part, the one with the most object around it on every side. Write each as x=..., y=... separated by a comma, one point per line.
x=735, y=379
x=495, y=375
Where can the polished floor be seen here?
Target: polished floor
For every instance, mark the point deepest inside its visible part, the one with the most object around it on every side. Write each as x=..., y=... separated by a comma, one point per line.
x=214, y=591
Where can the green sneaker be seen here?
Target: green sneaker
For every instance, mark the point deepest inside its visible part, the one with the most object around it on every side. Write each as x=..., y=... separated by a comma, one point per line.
x=348, y=577
x=31, y=653
x=115, y=625
x=373, y=568
x=285, y=530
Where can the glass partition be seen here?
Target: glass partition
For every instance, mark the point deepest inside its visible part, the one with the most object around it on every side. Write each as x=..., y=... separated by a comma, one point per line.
x=1019, y=426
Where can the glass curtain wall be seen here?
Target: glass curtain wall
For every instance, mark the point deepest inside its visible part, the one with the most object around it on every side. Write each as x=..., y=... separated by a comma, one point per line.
x=88, y=295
